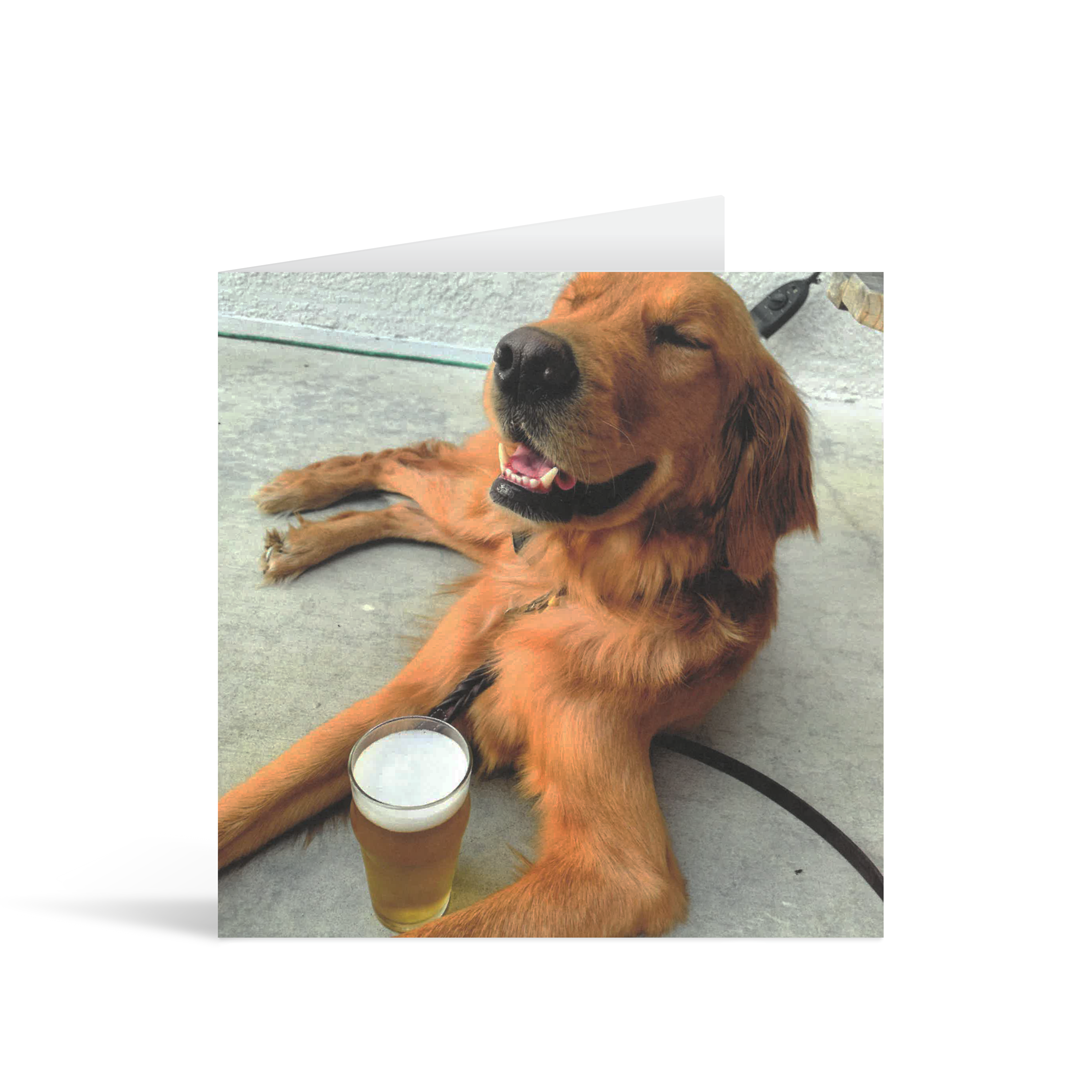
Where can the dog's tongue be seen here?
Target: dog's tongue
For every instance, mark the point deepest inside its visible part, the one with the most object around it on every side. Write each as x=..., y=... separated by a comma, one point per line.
x=528, y=462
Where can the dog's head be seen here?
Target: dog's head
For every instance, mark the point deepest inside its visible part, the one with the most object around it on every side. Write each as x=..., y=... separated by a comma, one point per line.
x=651, y=396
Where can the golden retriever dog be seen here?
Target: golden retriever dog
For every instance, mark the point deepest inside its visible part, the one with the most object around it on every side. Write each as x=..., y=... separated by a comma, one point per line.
x=645, y=454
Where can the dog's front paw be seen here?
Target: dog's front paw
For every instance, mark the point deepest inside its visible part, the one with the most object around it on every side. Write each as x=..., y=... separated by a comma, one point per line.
x=285, y=493
x=282, y=558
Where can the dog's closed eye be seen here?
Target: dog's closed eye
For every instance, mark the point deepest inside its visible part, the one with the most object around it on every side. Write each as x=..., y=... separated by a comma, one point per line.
x=667, y=334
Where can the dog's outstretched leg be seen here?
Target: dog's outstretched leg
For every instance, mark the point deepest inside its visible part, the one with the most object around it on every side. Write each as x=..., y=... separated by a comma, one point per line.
x=448, y=483
x=309, y=543
x=324, y=483
x=606, y=867
x=311, y=775
x=428, y=472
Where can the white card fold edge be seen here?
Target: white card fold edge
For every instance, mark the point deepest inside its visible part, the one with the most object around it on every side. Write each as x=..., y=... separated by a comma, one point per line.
x=672, y=236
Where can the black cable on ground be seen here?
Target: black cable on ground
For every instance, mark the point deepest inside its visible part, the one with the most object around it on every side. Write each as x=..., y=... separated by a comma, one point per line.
x=782, y=797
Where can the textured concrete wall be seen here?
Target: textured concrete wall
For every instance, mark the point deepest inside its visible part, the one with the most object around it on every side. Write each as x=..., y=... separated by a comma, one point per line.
x=828, y=355
x=467, y=310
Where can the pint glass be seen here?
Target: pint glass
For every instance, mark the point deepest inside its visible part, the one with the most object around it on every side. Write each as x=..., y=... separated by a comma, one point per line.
x=410, y=806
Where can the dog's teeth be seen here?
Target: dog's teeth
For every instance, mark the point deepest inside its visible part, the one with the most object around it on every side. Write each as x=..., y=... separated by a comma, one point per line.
x=548, y=478
x=502, y=457
x=533, y=481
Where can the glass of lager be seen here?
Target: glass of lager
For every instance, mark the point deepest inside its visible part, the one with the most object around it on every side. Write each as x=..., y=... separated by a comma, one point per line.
x=410, y=806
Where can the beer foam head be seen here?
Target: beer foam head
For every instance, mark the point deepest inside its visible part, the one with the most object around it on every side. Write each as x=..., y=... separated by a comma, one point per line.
x=398, y=777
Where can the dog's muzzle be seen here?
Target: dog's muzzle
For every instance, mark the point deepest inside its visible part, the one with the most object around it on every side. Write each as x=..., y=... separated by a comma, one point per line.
x=535, y=377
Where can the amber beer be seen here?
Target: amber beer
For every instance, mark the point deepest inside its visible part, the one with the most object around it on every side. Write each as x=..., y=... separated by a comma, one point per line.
x=410, y=806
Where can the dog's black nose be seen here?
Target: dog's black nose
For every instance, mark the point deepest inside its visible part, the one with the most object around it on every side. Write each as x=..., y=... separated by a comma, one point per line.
x=533, y=364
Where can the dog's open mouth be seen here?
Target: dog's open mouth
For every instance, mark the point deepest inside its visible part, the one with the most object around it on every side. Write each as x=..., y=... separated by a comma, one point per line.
x=534, y=487
x=528, y=468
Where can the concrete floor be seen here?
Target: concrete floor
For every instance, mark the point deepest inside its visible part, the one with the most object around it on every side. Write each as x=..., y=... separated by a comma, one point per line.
x=808, y=714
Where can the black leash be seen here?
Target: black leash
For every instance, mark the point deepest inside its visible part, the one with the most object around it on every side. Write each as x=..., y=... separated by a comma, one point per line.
x=476, y=682
x=782, y=797
x=462, y=695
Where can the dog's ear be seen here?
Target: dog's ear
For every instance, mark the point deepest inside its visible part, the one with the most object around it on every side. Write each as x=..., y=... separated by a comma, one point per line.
x=772, y=488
